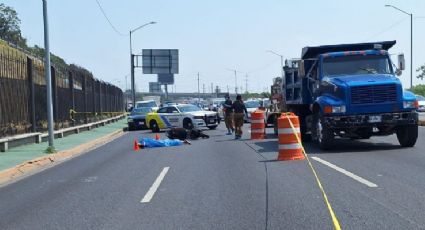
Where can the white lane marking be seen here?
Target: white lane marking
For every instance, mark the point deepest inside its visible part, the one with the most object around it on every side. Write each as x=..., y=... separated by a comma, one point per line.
x=347, y=173
x=89, y=179
x=147, y=198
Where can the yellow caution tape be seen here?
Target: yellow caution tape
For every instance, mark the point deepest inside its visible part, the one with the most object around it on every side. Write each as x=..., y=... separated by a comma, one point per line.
x=73, y=112
x=325, y=197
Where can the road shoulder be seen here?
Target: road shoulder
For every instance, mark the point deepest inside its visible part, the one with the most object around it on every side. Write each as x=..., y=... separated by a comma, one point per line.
x=37, y=164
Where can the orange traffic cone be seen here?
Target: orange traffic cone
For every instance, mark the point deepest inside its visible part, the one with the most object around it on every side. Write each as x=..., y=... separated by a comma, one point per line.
x=157, y=136
x=136, y=145
x=290, y=146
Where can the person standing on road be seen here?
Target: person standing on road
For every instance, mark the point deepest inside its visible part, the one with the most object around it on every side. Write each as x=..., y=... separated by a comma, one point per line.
x=238, y=115
x=228, y=115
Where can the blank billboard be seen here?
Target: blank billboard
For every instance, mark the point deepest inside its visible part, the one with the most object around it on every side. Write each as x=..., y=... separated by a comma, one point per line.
x=154, y=87
x=160, y=61
x=166, y=79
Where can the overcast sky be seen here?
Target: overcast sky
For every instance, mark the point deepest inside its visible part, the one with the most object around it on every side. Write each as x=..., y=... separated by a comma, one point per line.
x=215, y=35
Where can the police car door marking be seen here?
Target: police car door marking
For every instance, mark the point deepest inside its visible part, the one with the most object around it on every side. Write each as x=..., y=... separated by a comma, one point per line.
x=165, y=120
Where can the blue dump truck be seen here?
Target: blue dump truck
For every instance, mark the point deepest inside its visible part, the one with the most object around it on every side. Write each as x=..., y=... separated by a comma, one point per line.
x=349, y=91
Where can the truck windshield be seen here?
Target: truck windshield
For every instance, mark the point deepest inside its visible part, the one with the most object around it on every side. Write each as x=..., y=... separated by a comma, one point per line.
x=352, y=65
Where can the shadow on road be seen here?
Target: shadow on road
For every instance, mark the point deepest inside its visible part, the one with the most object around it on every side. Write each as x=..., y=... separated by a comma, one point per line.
x=266, y=146
x=340, y=146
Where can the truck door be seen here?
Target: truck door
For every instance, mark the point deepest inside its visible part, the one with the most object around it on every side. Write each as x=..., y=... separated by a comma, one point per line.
x=314, y=81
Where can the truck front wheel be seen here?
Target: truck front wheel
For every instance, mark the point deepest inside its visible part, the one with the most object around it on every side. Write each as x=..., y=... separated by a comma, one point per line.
x=407, y=135
x=321, y=133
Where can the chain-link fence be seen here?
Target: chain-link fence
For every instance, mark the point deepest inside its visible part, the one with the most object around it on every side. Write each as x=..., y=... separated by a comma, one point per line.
x=77, y=97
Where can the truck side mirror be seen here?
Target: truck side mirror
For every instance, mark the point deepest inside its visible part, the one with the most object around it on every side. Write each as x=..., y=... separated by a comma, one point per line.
x=301, y=72
x=401, y=62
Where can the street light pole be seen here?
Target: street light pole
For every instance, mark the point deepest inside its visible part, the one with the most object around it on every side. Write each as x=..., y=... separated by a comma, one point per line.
x=125, y=94
x=411, y=41
x=281, y=61
x=236, y=83
x=199, y=96
x=411, y=51
x=133, y=89
x=48, y=76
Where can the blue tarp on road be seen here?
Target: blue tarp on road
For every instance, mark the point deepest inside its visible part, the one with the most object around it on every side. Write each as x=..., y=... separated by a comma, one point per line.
x=152, y=143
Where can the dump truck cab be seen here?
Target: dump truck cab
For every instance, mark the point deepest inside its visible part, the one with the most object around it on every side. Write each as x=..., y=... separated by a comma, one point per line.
x=350, y=91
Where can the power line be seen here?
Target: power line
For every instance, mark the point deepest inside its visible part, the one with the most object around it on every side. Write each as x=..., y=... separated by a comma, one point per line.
x=109, y=21
x=263, y=67
x=386, y=29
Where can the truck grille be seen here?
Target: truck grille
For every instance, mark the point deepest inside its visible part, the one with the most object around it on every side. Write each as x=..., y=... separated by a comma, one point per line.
x=372, y=94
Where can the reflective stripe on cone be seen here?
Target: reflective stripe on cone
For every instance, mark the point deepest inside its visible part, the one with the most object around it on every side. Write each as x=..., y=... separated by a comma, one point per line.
x=257, y=130
x=290, y=146
x=288, y=130
x=257, y=121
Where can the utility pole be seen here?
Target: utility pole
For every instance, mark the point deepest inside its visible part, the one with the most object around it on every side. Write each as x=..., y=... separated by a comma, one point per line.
x=203, y=89
x=236, y=83
x=212, y=88
x=246, y=83
x=199, y=97
x=236, y=80
x=48, y=76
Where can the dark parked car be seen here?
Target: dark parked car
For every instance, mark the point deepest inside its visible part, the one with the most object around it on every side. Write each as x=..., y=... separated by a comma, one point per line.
x=136, y=119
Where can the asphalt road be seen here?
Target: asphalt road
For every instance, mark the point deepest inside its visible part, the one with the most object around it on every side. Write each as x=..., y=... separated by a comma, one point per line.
x=220, y=183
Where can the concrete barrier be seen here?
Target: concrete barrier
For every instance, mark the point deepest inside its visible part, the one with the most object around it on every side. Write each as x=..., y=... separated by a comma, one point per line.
x=28, y=138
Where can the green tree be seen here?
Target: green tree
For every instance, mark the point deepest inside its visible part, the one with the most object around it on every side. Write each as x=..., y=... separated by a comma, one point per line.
x=10, y=26
x=421, y=71
x=418, y=89
x=39, y=52
x=266, y=94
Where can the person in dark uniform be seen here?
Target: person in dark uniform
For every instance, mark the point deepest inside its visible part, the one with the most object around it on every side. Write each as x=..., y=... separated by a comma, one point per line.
x=228, y=115
x=239, y=110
